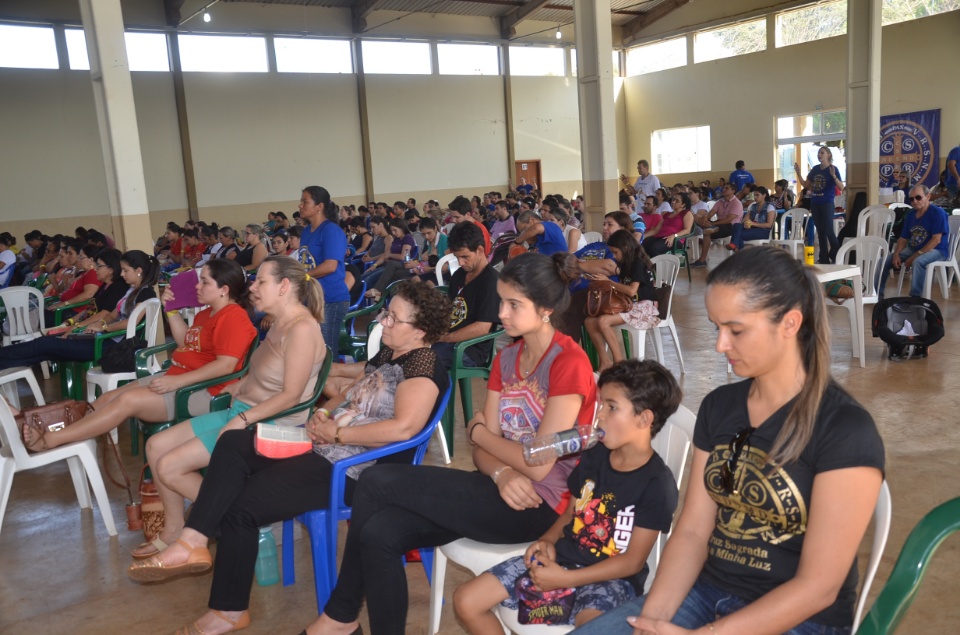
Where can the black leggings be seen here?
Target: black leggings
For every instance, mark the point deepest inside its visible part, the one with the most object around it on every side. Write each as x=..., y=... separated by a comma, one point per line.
x=402, y=507
x=244, y=491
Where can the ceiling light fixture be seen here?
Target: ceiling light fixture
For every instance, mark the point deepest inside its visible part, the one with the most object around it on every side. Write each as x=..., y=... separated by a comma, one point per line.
x=559, y=34
x=206, y=16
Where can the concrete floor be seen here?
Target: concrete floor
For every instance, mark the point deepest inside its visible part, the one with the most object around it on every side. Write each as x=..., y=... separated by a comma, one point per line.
x=61, y=572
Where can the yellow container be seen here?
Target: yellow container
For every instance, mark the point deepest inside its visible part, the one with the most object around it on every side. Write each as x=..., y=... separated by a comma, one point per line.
x=808, y=254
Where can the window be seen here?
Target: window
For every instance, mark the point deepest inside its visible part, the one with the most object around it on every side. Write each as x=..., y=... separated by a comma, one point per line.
x=737, y=39
x=820, y=21
x=680, y=150
x=657, y=56
x=902, y=10
x=573, y=62
x=28, y=47
x=468, y=59
x=222, y=54
x=145, y=51
x=397, y=58
x=536, y=60
x=800, y=136
x=313, y=56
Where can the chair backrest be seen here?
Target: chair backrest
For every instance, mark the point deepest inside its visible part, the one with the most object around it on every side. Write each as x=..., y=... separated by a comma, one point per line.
x=876, y=220
x=673, y=445
x=882, y=515
x=373, y=340
x=954, y=237
x=871, y=253
x=709, y=205
x=592, y=237
x=421, y=242
x=17, y=301
x=798, y=223
x=901, y=588
x=11, y=445
x=451, y=261
x=667, y=270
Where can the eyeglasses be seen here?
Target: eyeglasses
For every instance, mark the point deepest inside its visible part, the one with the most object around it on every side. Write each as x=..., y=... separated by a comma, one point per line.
x=102, y=266
x=728, y=471
x=388, y=319
x=916, y=198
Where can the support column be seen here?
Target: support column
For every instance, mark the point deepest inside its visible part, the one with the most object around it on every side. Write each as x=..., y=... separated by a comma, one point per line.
x=863, y=99
x=508, y=113
x=364, y=121
x=598, y=123
x=117, y=120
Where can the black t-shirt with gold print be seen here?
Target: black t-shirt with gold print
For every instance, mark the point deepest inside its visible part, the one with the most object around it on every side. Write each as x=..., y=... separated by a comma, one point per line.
x=758, y=536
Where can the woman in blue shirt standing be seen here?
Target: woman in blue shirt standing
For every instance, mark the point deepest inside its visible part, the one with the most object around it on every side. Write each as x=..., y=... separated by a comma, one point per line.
x=821, y=183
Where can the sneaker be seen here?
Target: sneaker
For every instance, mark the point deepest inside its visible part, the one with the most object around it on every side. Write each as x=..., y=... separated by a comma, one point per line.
x=698, y=263
x=732, y=247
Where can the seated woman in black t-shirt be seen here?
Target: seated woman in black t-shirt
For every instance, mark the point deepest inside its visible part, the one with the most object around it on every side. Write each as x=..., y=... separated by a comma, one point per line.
x=791, y=470
x=635, y=273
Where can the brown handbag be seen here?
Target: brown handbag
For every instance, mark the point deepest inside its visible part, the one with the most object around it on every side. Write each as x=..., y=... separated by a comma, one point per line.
x=52, y=417
x=604, y=299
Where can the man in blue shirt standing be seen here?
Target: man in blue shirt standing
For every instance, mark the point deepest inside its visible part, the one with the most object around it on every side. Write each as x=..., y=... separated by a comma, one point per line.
x=953, y=176
x=328, y=245
x=740, y=177
x=924, y=239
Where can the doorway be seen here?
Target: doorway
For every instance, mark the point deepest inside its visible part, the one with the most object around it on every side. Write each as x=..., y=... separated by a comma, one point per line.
x=528, y=169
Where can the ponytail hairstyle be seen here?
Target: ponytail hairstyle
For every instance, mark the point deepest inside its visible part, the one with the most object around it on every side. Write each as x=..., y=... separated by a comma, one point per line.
x=543, y=279
x=771, y=280
x=321, y=196
x=306, y=289
x=150, y=271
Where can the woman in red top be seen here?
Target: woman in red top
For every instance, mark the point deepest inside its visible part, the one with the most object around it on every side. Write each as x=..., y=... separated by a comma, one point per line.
x=215, y=345
x=84, y=285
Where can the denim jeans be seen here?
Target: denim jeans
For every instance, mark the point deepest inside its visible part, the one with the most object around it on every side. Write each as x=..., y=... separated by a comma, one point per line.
x=333, y=316
x=822, y=215
x=919, y=269
x=741, y=233
x=703, y=605
x=51, y=348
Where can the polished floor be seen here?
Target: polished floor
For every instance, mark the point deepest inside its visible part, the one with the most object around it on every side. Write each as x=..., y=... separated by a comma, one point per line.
x=61, y=573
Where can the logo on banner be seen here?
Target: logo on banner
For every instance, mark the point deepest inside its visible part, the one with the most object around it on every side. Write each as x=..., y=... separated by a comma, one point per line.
x=907, y=146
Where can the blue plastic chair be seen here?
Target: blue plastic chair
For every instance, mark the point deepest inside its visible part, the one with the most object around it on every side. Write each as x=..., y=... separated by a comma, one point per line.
x=322, y=524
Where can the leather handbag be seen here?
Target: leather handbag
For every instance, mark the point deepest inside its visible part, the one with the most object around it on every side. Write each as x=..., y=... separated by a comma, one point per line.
x=52, y=417
x=121, y=357
x=604, y=299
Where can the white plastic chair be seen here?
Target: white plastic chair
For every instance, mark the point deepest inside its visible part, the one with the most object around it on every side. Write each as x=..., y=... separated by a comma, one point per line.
x=451, y=261
x=882, y=515
x=876, y=220
x=947, y=268
x=17, y=301
x=798, y=229
x=592, y=237
x=667, y=270
x=8, y=385
x=673, y=446
x=96, y=378
x=81, y=458
x=871, y=254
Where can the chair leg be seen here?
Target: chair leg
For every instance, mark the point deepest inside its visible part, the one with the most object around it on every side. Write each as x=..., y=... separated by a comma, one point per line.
x=286, y=548
x=89, y=459
x=11, y=394
x=436, y=589
x=6, y=484
x=657, y=343
x=134, y=437
x=35, y=387
x=442, y=439
x=45, y=369
x=676, y=342
x=80, y=484
x=426, y=559
x=466, y=400
x=315, y=522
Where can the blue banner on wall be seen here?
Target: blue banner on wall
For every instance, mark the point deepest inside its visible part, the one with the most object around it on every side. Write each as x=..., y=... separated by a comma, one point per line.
x=911, y=142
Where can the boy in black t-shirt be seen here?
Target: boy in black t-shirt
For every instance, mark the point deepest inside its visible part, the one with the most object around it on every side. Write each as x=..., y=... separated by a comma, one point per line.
x=623, y=497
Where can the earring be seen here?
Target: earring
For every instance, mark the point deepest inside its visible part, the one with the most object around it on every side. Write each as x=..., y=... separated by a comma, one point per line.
x=222, y=294
x=546, y=319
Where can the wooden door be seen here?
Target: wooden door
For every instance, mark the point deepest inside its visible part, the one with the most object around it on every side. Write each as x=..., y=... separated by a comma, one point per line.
x=530, y=170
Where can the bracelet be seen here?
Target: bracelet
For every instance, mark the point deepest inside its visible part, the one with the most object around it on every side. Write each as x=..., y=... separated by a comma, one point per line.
x=326, y=413
x=336, y=437
x=712, y=630
x=172, y=313
x=472, y=428
x=496, y=474
x=103, y=323
x=69, y=322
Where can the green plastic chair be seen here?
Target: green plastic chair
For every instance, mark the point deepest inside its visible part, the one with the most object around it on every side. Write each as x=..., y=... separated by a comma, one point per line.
x=679, y=250
x=462, y=375
x=182, y=395
x=901, y=588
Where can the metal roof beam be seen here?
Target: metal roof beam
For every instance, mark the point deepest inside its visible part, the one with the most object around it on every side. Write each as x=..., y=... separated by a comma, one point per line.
x=634, y=26
x=509, y=22
x=361, y=10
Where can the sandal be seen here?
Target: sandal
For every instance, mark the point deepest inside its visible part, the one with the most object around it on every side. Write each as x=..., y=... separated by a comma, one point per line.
x=153, y=569
x=157, y=544
x=238, y=624
x=36, y=428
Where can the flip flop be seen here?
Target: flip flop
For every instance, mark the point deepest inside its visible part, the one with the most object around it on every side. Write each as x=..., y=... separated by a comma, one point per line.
x=153, y=569
x=157, y=544
x=238, y=624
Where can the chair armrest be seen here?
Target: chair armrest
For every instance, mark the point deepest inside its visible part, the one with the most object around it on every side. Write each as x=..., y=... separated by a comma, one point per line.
x=142, y=357
x=461, y=347
x=58, y=313
x=183, y=394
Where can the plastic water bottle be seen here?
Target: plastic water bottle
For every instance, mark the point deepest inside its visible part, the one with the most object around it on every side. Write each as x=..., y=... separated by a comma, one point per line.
x=541, y=450
x=268, y=568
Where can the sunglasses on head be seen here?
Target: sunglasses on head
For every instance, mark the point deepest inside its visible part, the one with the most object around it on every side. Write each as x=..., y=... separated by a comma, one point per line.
x=916, y=198
x=728, y=470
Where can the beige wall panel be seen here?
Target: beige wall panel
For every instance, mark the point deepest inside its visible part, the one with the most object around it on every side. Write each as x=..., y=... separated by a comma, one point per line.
x=160, y=140
x=262, y=137
x=430, y=132
x=547, y=126
x=51, y=164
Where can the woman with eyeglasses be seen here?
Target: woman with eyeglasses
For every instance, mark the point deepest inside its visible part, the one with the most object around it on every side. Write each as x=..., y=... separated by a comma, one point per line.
x=256, y=250
x=391, y=400
x=540, y=385
x=787, y=469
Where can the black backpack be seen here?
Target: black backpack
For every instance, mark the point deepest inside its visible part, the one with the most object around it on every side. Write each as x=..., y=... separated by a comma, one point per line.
x=919, y=316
